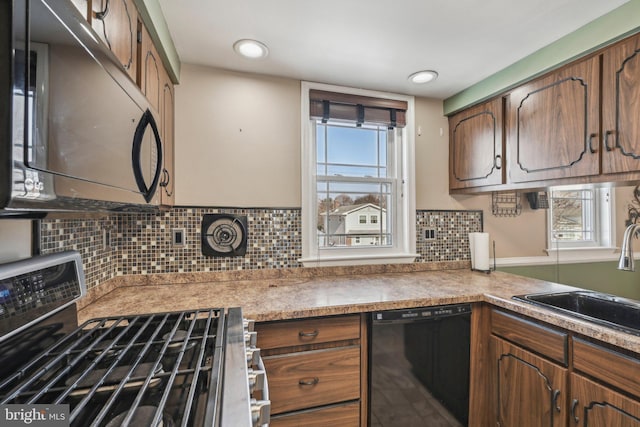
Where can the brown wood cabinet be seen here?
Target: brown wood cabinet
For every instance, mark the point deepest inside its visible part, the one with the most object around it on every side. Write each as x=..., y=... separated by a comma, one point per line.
x=150, y=68
x=475, y=146
x=347, y=414
x=575, y=125
x=594, y=405
x=533, y=374
x=620, y=107
x=531, y=391
x=115, y=21
x=554, y=126
x=316, y=369
x=167, y=129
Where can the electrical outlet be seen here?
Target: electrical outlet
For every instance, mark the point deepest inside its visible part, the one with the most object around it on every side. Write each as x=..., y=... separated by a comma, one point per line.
x=178, y=237
x=106, y=238
x=430, y=234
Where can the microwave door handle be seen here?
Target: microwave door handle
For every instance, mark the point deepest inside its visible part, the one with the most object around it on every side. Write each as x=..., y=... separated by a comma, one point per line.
x=146, y=120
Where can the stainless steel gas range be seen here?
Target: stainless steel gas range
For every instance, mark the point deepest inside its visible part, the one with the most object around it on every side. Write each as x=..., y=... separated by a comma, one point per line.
x=188, y=368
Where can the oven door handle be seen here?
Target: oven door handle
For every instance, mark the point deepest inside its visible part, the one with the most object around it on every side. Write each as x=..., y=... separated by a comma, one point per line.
x=146, y=120
x=265, y=390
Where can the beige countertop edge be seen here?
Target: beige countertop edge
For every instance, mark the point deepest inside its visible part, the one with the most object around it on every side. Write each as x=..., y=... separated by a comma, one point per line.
x=287, y=297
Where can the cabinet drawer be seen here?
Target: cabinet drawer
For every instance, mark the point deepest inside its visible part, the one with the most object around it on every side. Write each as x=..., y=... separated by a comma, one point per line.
x=347, y=415
x=307, y=331
x=607, y=365
x=545, y=341
x=313, y=378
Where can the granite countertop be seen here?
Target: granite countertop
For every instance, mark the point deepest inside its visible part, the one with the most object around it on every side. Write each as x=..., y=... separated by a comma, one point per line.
x=317, y=292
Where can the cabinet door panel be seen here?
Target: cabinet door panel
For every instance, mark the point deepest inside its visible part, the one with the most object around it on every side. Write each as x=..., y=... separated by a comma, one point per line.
x=530, y=390
x=149, y=74
x=594, y=405
x=115, y=22
x=554, y=125
x=167, y=196
x=620, y=107
x=475, y=144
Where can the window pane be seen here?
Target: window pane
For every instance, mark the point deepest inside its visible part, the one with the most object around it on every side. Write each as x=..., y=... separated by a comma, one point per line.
x=353, y=211
x=572, y=215
x=344, y=150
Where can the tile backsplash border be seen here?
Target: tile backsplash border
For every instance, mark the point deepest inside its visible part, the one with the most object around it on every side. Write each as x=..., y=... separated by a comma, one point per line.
x=126, y=244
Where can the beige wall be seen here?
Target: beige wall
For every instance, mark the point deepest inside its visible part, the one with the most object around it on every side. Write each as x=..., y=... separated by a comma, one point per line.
x=237, y=139
x=238, y=144
x=15, y=239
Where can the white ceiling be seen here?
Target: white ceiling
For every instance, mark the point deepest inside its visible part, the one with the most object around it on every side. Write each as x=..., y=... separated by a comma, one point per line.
x=376, y=44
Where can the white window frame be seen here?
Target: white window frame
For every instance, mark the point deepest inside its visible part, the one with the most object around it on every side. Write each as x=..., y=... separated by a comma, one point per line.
x=404, y=238
x=603, y=244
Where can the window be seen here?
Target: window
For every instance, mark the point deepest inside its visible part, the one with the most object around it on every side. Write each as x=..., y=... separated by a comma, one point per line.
x=580, y=217
x=358, y=195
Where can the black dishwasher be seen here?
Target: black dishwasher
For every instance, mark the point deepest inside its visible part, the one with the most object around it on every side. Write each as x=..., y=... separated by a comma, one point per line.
x=419, y=366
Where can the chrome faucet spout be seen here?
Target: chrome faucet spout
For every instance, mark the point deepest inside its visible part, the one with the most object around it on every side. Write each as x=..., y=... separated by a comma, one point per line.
x=626, y=251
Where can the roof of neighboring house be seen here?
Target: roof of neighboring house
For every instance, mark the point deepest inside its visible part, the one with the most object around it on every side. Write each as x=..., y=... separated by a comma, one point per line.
x=344, y=210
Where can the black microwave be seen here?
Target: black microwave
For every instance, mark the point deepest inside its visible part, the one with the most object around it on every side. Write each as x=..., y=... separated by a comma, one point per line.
x=76, y=133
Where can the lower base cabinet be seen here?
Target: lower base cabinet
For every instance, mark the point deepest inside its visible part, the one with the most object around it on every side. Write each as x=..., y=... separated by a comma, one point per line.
x=339, y=415
x=312, y=378
x=594, y=405
x=531, y=391
x=316, y=370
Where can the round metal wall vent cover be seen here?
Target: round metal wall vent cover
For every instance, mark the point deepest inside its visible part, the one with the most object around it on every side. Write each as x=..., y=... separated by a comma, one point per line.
x=224, y=235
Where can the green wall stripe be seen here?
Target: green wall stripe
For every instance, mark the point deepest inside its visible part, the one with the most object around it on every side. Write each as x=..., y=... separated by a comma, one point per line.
x=618, y=23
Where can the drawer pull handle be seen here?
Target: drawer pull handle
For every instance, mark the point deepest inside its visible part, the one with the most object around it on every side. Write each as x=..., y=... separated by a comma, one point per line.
x=311, y=382
x=303, y=334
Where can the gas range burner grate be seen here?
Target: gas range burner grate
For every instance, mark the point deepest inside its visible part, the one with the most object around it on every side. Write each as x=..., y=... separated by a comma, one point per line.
x=165, y=367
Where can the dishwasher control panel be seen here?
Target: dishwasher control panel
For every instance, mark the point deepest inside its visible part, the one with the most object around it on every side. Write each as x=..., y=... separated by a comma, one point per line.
x=421, y=313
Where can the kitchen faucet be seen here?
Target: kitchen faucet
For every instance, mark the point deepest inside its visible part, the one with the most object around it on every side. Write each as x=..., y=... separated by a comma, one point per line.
x=626, y=251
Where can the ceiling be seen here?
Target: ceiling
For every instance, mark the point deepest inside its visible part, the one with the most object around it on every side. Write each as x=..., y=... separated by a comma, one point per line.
x=375, y=44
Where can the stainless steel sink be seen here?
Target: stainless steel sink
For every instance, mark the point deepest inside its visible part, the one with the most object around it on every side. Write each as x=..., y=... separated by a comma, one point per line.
x=604, y=309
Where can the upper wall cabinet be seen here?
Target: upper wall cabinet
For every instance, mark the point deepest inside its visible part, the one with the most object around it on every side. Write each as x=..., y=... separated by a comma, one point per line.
x=475, y=146
x=150, y=68
x=553, y=125
x=115, y=21
x=167, y=197
x=621, y=107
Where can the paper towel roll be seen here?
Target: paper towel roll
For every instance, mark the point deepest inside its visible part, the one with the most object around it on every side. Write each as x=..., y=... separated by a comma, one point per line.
x=479, y=248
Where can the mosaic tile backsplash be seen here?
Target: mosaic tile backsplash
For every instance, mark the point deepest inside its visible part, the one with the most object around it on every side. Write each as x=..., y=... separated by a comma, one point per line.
x=124, y=244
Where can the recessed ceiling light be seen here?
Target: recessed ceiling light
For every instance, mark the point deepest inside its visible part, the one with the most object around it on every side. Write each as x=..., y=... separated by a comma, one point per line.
x=423, y=76
x=251, y=48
